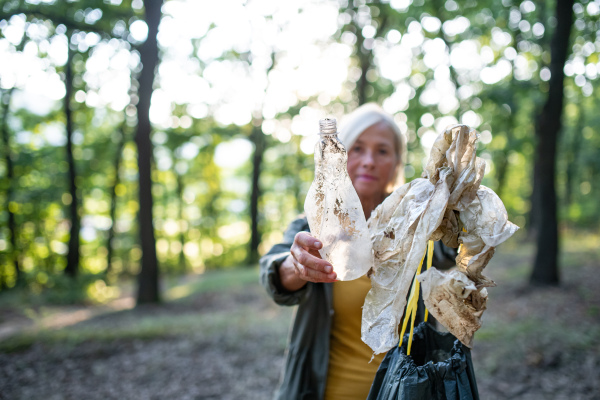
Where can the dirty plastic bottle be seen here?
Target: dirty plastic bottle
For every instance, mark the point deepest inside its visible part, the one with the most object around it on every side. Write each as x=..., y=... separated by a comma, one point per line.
x=333, y=209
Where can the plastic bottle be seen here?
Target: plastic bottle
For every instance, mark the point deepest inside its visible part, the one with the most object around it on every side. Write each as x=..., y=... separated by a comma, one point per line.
x=334, y=211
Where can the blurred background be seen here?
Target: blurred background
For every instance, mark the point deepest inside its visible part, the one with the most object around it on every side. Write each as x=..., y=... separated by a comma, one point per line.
x=146, y=144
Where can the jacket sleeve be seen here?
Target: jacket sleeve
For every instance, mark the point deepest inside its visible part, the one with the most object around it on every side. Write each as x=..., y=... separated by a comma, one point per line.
x=270, y=263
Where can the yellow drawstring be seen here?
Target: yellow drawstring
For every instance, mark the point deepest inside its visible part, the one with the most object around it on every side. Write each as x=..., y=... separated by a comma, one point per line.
x=429, y=262
x=460, y=245
x=413, y=299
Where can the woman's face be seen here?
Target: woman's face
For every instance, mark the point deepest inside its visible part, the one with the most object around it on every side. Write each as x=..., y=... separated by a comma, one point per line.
x=372, y=161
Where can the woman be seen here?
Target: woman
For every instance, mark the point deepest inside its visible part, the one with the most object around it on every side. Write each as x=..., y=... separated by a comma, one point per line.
x=326, y=358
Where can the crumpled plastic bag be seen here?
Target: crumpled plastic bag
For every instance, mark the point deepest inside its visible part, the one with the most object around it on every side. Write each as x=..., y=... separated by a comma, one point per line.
x=457, y=299
x=399, y=230
x=448, y=198
x=486, y=223
x=453, y=298
x=335, y=213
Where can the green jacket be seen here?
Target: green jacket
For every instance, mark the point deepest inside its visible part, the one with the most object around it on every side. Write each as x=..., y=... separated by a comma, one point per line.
x=307, y=355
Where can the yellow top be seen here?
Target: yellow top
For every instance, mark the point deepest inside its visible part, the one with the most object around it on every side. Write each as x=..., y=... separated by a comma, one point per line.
x=349, y=374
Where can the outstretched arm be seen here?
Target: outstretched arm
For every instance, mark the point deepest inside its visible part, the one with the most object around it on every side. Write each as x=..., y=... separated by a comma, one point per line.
x=288, y=270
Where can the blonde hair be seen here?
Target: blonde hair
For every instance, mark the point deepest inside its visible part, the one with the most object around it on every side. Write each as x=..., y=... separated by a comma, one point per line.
x=365, y=116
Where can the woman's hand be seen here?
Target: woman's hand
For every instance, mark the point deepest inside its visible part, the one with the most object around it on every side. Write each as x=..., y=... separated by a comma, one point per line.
x=305, y=264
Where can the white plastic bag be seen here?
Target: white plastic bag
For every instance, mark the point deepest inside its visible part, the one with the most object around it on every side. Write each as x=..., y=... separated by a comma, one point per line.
x=448, y=197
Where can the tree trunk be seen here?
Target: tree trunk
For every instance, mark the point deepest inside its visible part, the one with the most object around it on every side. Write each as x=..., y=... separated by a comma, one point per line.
x=113, y=198
x=259, y=149
x=13, y=255
x=548, y=123
x=72, y=267
x=573, y=156
x=182, y=262
x=532, y=218
x=49, y=261
x=257, y=137
x=299, y=165
x=148, y=291
x=12, y=225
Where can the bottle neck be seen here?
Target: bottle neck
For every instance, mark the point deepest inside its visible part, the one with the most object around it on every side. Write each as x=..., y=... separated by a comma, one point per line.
x=328, y=135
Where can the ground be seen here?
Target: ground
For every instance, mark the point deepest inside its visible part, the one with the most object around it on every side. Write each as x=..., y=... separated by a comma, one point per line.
x=218, y=336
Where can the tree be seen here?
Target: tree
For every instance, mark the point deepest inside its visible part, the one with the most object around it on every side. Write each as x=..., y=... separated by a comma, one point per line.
x=72, y=267
x=8, y=158
x=548, y=124
x=5, y=100
x=148, y=291
x=257, y=137
x=68, y=16
x=113, y=193
x=572, y=153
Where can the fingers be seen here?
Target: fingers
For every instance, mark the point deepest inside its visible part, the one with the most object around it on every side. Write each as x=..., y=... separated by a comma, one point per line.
x=308, y=263
x=312, y=275
x=310, y=259
x=306, y=240
x=312, y=264
x=305, y=252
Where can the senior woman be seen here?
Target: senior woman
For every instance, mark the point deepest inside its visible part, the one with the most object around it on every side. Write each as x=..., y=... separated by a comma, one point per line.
x=325, y=358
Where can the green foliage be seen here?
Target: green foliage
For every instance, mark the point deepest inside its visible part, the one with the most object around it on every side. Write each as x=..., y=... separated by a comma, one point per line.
x=202, y=209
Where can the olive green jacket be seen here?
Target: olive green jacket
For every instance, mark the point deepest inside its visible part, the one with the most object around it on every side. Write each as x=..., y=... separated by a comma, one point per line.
x=307, y=355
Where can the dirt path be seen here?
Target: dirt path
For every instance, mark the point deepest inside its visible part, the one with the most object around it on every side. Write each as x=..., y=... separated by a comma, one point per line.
x=237, y=355
x=542, y=344
x=229, y=344
x=58, y=317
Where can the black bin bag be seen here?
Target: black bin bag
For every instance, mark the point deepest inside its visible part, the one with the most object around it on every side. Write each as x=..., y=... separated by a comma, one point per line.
x=439, y=367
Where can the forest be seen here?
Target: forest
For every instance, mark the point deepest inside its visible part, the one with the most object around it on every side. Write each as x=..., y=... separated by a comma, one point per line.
x=153, y=150
x=146, y=139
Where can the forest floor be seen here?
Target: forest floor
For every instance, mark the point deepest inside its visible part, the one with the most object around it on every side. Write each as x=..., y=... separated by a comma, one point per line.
x=219, y=337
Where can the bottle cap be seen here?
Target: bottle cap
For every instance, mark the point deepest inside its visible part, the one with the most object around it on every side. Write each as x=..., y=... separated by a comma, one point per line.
x=327, y=126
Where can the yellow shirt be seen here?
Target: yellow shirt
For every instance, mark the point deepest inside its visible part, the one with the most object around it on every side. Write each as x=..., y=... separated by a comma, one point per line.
x=349, y=374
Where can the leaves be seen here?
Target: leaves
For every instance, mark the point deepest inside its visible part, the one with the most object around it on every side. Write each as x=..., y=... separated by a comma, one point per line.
x=430, y=63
